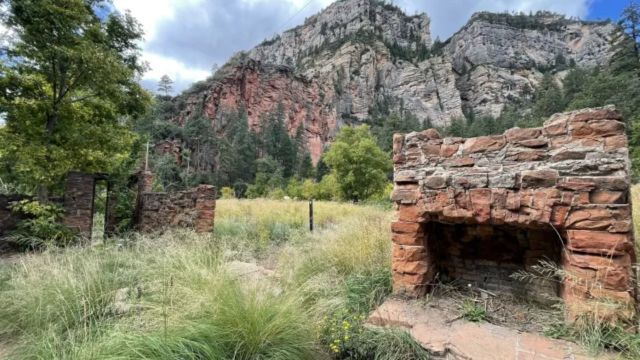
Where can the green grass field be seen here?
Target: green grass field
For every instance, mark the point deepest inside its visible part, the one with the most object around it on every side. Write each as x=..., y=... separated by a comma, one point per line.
x=170, y=296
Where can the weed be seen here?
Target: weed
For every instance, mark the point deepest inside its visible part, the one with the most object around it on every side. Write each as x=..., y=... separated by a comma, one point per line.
x=471, y=311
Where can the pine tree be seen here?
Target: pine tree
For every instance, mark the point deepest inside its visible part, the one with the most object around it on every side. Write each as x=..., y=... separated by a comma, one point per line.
x=165, y=85
x=626, y=41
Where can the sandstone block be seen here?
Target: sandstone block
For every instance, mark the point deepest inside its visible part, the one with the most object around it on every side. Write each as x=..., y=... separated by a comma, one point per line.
x=483, y=144
x=539, y=178
x=518, y=134
x=598, y=242
x=435, y=182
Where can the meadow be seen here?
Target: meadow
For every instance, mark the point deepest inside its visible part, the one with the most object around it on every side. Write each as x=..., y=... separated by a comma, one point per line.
x=171, y=296
x=174, y=295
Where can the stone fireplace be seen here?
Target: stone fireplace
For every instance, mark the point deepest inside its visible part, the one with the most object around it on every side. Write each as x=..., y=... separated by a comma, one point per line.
x=480, y=210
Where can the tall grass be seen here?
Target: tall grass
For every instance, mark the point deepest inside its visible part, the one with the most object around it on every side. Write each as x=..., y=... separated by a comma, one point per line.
x=170, y=296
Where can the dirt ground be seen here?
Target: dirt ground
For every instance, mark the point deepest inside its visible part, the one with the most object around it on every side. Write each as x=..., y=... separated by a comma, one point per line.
x=501, y=309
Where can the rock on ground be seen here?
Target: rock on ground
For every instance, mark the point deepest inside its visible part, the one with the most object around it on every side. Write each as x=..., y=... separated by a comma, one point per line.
x=447, y=338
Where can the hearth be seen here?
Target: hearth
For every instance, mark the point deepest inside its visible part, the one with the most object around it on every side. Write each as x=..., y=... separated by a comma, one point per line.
x=479, y=210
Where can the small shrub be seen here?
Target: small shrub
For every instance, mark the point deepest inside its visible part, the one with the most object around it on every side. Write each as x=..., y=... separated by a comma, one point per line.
x=471, y=311
x=42, y=225
x=368, y=290
x=228, y=193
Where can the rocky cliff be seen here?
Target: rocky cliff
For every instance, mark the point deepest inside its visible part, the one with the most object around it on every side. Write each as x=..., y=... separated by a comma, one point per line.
x=332, y=69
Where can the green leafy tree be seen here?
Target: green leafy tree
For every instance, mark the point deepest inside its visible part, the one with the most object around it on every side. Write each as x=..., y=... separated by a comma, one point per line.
x=360, y=166
x=268, y=178
x=69, y=89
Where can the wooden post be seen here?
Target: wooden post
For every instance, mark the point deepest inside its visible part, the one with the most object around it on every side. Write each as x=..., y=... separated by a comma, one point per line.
x=146, y=159
x=311, y=215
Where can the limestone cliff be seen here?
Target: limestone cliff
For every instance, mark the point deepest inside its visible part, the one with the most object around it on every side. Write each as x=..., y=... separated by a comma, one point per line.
x=499, y=57
x=332, y=69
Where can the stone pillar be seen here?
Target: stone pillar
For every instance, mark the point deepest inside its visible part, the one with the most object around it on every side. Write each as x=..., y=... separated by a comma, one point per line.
x=205, y=207
x=145, y=181
x=78, y=203
x=145, y=184
x=598, y=268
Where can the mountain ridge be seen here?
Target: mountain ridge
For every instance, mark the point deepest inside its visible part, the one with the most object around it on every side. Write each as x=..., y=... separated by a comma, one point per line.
x=333, y=69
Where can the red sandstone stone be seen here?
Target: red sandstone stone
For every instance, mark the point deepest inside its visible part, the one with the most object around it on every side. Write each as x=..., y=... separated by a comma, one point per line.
x=410, y=213
x=576, y=184
x=589, y=212
x=410, y=279
x=615, y=142
x=559, y=215
x=597, y=114
x=431, y=150
x=463, y=161
x=398, y=142
x=555, y=128
x=518, y=134
x=533, y=143
x=449, y=150
x=415, y=239
x=481, y=204
x=409, y=253
x=429, y=134
x=404, y=227
x=598, y=242
x=483, y=144
x=536, y=155
x=410, y=267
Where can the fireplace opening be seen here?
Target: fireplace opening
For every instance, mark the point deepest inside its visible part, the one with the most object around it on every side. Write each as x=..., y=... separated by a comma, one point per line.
x=487, y=257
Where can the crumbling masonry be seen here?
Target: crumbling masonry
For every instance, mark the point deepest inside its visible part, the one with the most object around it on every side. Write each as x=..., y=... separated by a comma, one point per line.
x=478, y=210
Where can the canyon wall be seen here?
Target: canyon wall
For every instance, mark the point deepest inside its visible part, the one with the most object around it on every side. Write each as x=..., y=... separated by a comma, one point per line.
x=335, y=67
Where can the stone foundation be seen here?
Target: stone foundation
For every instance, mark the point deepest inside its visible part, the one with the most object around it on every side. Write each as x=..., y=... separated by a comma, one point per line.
x=479, y=209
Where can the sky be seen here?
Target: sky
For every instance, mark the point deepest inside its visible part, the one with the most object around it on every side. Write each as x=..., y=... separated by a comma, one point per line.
x=185, y=38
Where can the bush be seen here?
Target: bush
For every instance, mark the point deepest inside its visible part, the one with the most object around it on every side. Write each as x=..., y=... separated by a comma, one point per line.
x=41, y=227
x=252, y=325
x=228, y=193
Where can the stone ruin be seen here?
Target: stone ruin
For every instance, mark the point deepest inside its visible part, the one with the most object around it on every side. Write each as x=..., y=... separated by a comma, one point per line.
x=194, y=208
x=478, y=210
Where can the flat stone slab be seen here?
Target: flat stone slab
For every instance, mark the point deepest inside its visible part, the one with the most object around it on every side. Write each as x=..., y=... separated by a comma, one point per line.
x=457, y=339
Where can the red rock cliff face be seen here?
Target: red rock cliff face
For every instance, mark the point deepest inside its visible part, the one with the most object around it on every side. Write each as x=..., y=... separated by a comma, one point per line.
x=260, y=89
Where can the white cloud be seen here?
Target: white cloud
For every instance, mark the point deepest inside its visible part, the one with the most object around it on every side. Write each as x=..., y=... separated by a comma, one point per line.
x=154, y=14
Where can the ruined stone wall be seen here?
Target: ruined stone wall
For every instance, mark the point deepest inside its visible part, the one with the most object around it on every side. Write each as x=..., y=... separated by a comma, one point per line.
x=193, y=208
x=78, y=202
x=570, y=176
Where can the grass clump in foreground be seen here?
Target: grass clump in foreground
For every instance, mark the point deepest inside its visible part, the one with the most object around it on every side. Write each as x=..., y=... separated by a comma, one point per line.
x=171, y=296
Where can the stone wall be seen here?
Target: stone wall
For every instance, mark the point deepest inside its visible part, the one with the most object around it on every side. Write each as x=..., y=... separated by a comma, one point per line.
x=78, y=202
x=193, y=208
x=570, y=176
